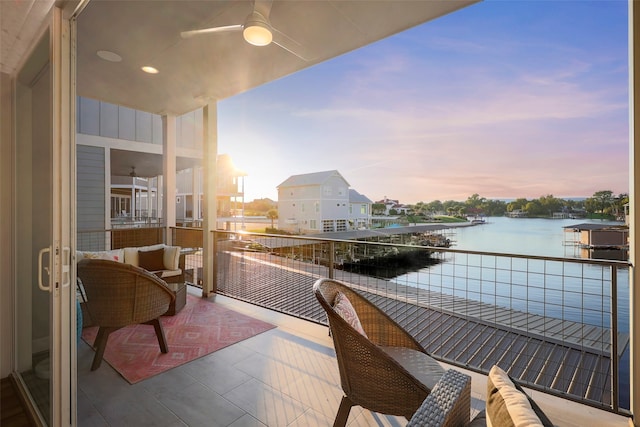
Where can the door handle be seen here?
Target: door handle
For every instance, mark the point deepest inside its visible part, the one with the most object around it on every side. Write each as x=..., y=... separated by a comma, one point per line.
x=66, y=263
x=40, y=256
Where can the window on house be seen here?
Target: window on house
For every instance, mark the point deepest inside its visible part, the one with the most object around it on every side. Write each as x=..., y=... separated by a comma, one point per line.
x=341, y=225
x=363, y=209
x=312, y=224
x=327, y=225
x=317, y=207
x=350, y=209
x=327, y=190
x=341, y=191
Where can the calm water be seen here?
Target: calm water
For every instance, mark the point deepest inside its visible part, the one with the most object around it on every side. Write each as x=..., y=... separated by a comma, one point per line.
x=577, y=292
x=528, y=236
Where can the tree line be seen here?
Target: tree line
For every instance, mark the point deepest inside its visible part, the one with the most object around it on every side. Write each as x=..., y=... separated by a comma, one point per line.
x=601, y=204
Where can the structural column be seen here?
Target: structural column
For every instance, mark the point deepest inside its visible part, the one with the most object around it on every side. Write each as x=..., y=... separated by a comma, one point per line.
x=169, y=174
x=149, y=206
x=107, y=194
x=159, y=197
x=634, y=214
x=133, y=198
x=195, y=195
x=209, y=208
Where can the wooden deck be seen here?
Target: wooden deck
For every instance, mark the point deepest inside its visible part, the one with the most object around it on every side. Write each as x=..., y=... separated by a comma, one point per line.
x=559, y=356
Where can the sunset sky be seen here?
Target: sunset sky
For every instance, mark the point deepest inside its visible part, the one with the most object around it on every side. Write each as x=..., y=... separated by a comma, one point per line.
x=504, y=99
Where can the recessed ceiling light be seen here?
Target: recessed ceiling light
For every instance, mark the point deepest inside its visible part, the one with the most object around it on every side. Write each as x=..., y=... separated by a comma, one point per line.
x=109, y=56
x=150, y=70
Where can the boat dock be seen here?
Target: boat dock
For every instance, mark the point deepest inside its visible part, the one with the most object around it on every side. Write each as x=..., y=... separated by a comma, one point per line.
x=602, y=241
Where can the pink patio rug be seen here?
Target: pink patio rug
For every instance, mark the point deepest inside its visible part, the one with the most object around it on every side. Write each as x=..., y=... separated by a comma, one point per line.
x=200, y=328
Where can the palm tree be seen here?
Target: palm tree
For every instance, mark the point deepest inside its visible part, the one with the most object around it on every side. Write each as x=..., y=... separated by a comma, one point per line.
x=272, y=214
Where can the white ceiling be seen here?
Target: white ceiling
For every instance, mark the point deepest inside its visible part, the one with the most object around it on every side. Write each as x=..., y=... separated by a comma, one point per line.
x=207, y=67
x=217, y=66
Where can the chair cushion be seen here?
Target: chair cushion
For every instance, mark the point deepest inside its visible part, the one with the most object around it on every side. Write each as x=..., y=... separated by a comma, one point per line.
x=508, y=406
x=344, y=308
x=169, y=273
x=423, y=367
x=151, y=260
x=172, y=257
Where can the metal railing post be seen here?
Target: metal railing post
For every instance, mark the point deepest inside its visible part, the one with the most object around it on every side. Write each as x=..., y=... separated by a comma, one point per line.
x=214, y=266
x=614, y=339
x=332, y=258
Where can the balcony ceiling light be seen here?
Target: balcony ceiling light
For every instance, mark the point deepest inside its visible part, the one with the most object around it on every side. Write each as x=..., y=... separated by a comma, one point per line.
x=109, y=56
x=149, y=69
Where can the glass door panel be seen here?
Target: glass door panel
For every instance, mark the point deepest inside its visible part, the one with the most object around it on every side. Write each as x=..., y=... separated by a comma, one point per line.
x=44, y=314
x=34, y=224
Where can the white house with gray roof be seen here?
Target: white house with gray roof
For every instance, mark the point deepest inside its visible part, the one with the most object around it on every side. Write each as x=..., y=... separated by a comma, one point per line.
x=321, y=202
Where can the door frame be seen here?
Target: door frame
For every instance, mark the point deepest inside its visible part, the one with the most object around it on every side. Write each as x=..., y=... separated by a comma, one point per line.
x=62, y=317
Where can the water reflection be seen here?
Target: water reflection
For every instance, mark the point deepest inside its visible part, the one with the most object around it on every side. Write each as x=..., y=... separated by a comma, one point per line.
x=563, y=290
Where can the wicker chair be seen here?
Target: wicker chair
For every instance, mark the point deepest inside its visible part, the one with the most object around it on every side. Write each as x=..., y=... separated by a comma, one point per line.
x=386, y=371
x=448, y=405
x=119, y=295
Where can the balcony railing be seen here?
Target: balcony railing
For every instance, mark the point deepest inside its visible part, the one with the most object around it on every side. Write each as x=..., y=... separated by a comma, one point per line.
x=559, y=325
x=115, y=238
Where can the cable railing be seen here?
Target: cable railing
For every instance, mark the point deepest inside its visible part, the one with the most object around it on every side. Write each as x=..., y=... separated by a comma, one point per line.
x=560, y=325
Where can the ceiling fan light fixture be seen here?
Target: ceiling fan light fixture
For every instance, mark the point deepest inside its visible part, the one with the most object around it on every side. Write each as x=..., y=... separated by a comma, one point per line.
x=257, y=30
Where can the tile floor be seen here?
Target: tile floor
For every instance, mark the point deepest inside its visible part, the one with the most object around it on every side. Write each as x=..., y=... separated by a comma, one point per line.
x=287, y=376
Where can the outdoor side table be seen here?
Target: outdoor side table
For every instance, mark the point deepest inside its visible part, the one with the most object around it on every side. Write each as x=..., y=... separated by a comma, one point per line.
x=180, y=291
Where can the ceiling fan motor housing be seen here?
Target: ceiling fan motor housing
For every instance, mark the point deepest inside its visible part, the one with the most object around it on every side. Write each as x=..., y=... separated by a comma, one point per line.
x=257, y=30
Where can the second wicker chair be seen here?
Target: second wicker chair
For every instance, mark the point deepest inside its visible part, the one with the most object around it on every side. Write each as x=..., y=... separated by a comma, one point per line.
x=384, y=370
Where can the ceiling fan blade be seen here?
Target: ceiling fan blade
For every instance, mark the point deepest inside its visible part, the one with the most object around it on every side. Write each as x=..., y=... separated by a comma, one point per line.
x=290, y=45
x=188, y=34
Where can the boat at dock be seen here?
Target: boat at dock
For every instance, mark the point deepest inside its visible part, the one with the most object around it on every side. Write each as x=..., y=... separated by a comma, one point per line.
x=476, y=220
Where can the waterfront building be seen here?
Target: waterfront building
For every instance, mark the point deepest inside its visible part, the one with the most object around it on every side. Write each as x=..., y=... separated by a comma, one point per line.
x=604, y=241
x=394, y=205
x=359, y=210
x=120, y=156
x=321, y=202
x=517, y=213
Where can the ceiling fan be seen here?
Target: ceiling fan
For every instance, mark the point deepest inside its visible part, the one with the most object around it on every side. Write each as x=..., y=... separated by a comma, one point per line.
x=257, y=30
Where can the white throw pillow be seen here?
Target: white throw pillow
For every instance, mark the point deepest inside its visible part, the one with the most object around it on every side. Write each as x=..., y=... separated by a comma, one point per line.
x=112, y=255
x=508, y=405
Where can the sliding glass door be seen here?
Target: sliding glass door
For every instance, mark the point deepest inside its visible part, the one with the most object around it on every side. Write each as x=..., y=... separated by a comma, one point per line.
x=45, y=314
